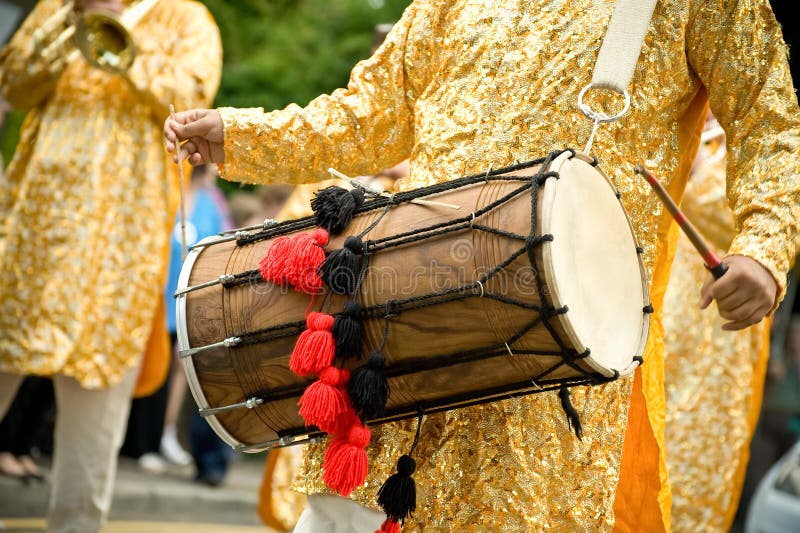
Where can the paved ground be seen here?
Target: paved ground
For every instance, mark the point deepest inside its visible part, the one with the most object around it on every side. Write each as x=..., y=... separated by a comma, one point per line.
x=166, y=503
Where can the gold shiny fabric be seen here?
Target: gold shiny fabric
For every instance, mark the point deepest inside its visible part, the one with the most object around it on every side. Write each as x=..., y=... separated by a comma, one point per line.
x=90, y=195
x=279, y=506
x=460, y=86
x=714, y=378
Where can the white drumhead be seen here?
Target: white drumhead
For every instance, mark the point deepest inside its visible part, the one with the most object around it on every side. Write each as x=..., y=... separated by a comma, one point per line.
x=592, y=266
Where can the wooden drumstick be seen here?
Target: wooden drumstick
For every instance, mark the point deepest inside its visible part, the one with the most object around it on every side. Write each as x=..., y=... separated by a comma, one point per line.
x=180, y=181
x=355, y=183
x=713, y=263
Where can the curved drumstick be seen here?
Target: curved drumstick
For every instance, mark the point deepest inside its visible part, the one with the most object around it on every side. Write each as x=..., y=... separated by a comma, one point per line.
x=713, y=263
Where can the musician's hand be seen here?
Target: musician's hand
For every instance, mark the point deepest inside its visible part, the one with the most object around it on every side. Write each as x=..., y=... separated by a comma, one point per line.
x=202, y=129
x=744, y=295
x=113, y=6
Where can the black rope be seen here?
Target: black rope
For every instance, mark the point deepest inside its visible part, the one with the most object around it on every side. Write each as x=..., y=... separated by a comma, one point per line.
x=375, y=222
x=449, y=226
x=399, y=198
x=416, y=435
x=392, y=308
x=271, y=333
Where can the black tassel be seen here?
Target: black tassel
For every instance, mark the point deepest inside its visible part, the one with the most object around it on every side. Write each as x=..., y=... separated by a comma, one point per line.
x=398, y=494
x=368, y=387
x=341, y=268
x=334, y=207
x=348, y=331
x=573, y=419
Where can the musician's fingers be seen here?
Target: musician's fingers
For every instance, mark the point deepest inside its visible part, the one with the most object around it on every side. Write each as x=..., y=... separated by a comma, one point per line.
x=741, y=312
x=725, y=286
x=734, y=300
x=754, y=318
x=188, y=149
x=203, y=123
x=170, y=134
x=705, y=292
x=174, y=122
x=184, y=117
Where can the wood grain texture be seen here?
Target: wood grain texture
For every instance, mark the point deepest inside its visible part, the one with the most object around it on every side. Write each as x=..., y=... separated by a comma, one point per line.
x=230, y=375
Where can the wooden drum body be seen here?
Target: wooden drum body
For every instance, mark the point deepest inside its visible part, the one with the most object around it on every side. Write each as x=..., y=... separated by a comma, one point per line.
x=478, y=310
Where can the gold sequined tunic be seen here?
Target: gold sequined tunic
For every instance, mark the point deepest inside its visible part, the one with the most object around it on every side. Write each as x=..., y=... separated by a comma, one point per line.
x=462, y=85
x=90, y=195
x=714, y=378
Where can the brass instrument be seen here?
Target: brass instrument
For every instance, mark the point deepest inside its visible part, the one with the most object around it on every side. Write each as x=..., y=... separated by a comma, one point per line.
x=102, y=38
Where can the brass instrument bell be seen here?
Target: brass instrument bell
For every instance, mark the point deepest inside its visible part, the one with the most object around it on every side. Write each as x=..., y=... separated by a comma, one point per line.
x=103, y=38
x=104, y=41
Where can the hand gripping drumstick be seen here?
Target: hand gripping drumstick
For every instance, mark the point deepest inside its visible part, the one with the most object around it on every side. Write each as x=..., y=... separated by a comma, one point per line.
x=713, y=263
x=180, y=180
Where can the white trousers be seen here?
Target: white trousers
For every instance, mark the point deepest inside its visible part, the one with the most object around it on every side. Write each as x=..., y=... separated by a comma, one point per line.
x=334, y=514
x=90, y=426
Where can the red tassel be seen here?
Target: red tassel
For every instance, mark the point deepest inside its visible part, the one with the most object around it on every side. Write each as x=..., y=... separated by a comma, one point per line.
x=325, y=403
x=389, y=526
x=315, y=348
x=345, y=466
x=295, y=260
x=307, y=256
x=273, y=266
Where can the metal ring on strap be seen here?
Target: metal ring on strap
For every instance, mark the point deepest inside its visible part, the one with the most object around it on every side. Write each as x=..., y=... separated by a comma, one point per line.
x=598, y=116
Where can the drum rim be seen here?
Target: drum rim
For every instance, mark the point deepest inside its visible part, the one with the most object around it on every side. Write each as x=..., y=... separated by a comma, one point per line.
x=182, y=333
x=548, y=196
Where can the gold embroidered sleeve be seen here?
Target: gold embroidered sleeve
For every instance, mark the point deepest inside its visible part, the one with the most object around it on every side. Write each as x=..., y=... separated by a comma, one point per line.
x=358, y=130
x=737, y=49
x=183, y=66
x=26, y=75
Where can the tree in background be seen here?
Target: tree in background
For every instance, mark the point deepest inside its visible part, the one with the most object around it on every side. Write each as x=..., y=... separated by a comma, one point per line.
x=289, y=51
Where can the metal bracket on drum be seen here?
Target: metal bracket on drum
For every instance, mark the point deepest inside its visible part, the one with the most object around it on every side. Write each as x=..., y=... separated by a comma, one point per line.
x=227, y=343
x=268, y=223
x=249, y=404
x=240, y=234
x=236, y=234
x=286, y=440
x=225, y=278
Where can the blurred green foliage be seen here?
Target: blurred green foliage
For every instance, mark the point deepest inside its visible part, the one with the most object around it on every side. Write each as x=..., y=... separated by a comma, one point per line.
x=281, y=51
x=9, y=134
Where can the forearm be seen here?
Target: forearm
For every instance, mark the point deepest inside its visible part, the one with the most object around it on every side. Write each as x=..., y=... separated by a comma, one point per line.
x=737, y=50
x=768, y=210
x=297, y=145
x=360, y=129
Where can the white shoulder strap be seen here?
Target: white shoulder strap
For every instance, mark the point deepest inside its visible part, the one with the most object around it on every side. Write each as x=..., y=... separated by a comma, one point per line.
x=622, y=44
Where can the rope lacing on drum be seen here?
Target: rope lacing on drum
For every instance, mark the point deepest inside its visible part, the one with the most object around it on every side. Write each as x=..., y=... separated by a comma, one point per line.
x=482, y=287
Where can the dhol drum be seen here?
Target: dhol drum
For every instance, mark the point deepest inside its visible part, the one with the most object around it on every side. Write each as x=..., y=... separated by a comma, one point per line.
x=520, y=280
